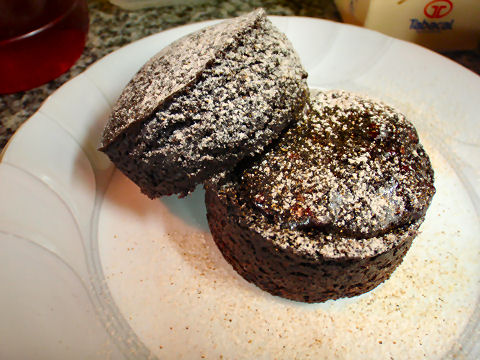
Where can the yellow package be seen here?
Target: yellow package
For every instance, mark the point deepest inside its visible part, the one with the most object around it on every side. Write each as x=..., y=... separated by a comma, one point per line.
x=437, y=24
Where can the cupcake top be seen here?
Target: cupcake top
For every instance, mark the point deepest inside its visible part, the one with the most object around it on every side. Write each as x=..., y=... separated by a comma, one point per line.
x=172, y=70
x=352, y=169
x=204, y=103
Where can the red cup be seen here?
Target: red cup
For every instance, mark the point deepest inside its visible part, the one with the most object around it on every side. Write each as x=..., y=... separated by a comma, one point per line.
x=39, y=40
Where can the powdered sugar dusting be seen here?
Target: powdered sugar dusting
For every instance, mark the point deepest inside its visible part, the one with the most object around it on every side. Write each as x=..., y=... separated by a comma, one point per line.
x=252, y=86
x=171, y=70
x=353, y=168
x=239, y=102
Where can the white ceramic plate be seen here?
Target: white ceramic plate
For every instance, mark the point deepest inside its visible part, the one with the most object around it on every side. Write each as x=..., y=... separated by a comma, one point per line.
x=90, y=268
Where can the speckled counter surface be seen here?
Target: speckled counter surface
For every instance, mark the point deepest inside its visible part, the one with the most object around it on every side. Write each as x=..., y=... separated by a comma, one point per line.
x=112, y=28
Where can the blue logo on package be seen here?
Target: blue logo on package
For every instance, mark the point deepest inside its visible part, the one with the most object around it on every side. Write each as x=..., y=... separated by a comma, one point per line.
x=435, y=9
x=430, y=26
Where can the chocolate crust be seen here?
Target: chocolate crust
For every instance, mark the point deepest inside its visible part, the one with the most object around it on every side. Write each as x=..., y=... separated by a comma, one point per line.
x=292, y=274
x=204, y=103
x=173, y=69
x=276, y=222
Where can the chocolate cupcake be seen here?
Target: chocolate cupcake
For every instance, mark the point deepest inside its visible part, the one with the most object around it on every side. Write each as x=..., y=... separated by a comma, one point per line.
x=328, y=210
x=204, y=103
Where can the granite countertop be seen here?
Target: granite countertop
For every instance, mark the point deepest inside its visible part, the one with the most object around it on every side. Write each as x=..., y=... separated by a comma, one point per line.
x=112, y=27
